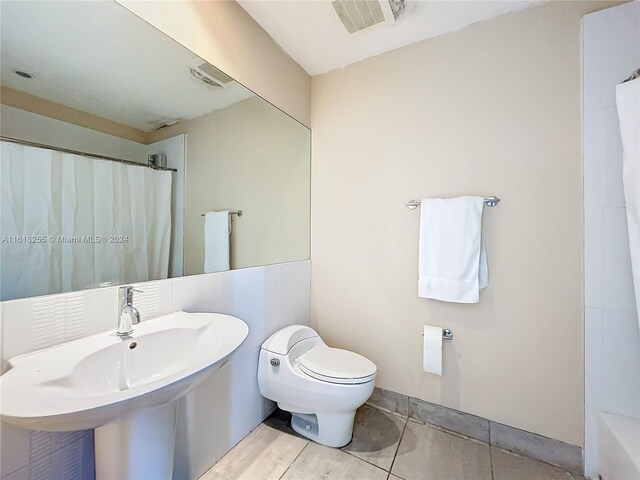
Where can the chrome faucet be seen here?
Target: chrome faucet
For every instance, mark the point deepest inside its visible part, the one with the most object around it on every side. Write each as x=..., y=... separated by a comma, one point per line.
x=129, y=315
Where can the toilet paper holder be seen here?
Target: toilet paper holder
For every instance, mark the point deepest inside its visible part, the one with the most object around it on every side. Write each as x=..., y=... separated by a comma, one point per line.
x=447, y=334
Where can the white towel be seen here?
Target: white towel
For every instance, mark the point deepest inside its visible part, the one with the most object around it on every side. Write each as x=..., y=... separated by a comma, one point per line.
x=216, y=241
x=453, y=263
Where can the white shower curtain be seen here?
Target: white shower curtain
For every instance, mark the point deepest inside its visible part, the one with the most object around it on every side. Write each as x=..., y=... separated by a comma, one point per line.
x=628, y=101
x=69, y=222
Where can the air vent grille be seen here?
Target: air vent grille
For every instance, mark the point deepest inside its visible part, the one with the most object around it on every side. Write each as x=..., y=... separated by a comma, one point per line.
x=212, y=71
x=357, y=15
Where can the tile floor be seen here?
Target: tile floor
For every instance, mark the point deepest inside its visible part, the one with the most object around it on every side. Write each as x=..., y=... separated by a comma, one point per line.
x=384, y=447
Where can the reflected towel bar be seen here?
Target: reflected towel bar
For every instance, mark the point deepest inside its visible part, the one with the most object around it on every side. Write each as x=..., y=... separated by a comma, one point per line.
x=231, y=212
x=490, y=201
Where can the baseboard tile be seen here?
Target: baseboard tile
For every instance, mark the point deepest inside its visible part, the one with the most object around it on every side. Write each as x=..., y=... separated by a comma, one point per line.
x=460, y=422
x=532, y=445
x=538, y=447
x=389, y=400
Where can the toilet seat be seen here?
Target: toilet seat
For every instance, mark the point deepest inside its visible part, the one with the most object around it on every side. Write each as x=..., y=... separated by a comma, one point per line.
x=334, y=365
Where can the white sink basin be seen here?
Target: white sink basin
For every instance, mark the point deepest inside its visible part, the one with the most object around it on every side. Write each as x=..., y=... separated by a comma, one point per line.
x=92, y=381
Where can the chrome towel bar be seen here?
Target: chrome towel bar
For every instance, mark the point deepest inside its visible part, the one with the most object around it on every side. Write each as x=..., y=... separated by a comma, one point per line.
x=231, y=212
x=490, y=201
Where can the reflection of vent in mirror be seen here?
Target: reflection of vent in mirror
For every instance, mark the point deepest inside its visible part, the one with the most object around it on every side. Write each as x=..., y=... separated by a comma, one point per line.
x=210, y=75
x=218, y=75
x=204, y=78
x=160, y=124
x=357, y=15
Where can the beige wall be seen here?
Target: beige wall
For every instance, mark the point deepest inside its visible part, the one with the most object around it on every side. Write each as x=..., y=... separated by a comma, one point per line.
x=24, y=125
x=222, y=33
x=248, y=156
x=494, y=109
x=41, y=106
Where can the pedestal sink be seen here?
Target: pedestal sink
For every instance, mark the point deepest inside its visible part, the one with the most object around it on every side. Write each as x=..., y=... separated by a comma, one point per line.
x=124, y=387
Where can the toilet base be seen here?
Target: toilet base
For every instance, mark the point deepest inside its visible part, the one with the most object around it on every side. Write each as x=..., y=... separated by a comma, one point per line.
x=330, y=429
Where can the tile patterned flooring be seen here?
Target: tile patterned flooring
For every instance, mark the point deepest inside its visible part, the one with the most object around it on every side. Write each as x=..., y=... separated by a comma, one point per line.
x=385, y=446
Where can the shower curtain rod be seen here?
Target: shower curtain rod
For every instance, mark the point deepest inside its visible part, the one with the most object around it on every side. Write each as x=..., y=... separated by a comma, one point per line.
x=83, y=154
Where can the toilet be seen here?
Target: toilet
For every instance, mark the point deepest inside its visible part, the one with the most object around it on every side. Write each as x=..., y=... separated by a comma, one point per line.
x=321, y=386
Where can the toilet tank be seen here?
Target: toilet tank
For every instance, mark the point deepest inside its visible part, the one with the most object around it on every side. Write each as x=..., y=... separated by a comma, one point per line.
x=283, y=340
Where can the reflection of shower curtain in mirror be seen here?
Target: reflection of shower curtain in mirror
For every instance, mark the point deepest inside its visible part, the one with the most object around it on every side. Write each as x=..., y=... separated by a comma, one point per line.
x=70, y=222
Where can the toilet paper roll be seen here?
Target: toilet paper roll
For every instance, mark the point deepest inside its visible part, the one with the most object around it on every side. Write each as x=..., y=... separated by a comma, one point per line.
x=432, y=350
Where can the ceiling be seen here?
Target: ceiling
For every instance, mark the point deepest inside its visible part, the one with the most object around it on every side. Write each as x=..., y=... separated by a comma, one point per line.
x=312, y=34
x=99, y=58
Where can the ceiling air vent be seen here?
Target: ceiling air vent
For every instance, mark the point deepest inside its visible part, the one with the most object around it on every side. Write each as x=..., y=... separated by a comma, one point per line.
x=210, y=75
x=357, y=15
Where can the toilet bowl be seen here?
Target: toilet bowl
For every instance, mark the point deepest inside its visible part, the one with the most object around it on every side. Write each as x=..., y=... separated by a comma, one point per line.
x=322, y=387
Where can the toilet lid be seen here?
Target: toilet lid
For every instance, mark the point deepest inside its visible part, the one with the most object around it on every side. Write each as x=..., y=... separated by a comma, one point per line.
x=336, y=366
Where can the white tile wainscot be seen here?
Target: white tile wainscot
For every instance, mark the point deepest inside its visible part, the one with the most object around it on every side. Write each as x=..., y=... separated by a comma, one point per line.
x=212, y=418
x=612, y=342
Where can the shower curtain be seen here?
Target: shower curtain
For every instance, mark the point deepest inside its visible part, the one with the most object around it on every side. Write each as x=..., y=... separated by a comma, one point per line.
x=69, y=222
x=628, y=101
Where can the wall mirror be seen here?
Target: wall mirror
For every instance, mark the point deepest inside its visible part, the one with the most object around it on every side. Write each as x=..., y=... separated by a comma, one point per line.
x=126, y=157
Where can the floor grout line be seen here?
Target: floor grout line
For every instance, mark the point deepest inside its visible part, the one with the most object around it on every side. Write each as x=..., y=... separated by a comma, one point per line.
x=289, y=466
x=386, y=410
x=404, y=429
x=449, y=432
x=342, y=449
x=527, y=457
x=363, y=460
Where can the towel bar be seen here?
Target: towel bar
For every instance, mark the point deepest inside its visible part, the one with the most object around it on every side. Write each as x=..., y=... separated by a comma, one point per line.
x=231, y=212
x=446, y=334
x=490, y=201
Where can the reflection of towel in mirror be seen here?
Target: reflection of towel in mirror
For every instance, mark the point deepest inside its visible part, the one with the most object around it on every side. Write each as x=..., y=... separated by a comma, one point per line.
x=453, y=263
x=216, y=241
